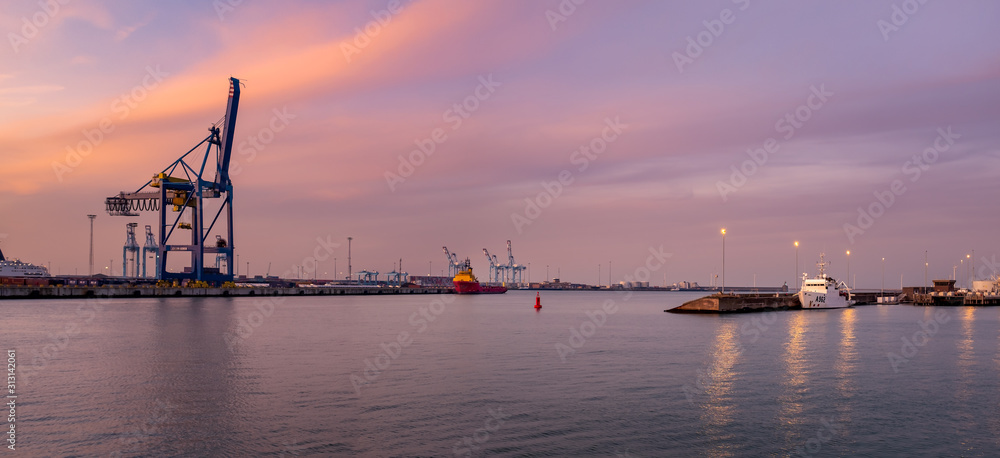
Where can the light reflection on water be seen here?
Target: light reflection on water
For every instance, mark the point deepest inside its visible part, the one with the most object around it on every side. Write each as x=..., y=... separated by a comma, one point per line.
x=795, y=376
x=720, y=408
x=847, y=359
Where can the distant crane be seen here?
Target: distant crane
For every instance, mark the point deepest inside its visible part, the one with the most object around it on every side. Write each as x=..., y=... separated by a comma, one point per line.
x=516, y=270
x=220, y=258
x=150, y=249
x=453, y=265
x=185, y=187
x=397, y=279
x=131, y=248
x=496, y=270
x=366, y=277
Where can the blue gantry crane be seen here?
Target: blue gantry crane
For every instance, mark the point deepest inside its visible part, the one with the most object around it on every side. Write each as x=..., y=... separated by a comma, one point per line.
x=185, y=185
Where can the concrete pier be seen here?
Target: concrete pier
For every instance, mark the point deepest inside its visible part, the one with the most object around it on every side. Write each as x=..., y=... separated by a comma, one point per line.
x=82, y=292
x=735, y=303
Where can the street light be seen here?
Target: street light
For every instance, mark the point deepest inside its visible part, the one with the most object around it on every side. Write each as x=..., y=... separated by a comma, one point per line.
x=796, y=265
x=723, y=260
x=967, y=269
x=882, y=292
x=848, y=268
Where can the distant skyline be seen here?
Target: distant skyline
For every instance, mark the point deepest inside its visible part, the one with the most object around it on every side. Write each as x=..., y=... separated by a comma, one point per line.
x=585, y=134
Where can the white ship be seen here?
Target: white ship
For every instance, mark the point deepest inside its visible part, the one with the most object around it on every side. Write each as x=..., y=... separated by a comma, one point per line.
x=16, y=268
x=823, y=292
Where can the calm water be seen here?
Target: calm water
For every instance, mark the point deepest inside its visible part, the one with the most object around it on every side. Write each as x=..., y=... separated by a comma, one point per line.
x=235, y=377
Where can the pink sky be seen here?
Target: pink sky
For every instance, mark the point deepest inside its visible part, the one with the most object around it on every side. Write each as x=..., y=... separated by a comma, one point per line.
x=887, y=92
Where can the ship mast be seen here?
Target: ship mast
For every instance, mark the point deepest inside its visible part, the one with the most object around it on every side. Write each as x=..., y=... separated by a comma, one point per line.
x=822, y=265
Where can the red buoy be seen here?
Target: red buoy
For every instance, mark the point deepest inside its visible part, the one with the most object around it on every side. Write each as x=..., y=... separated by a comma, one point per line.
x=538, y=301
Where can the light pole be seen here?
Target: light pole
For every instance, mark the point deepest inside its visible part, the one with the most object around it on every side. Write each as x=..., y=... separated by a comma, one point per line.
x=926, y=265
x=882, y=291
x=968, y=276
x=796, y=265
x=349, y=258
x=848, y=268
x=973, y=266
x=91, y=271
x=723, y=260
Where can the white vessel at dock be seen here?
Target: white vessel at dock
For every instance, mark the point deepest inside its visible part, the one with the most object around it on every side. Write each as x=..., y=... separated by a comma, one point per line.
x=16, y=268
x=823, y=292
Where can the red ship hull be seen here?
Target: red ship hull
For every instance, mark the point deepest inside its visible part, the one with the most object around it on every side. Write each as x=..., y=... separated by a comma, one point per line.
x=471, y=287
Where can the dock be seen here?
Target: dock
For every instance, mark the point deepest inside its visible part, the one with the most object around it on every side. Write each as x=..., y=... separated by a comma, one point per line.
x=737, y=303
x=78, y=292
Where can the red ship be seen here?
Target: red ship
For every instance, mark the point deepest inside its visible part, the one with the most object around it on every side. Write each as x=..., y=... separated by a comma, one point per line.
x=466, y=283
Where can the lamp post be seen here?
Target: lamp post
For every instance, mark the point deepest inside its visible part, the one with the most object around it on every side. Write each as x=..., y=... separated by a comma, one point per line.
x=848, y=268
x=91, y=271
x=796, y=265
x=926, y=265
x=967, y=269
x=882, y=291
x=723, y=260
x=349, y=258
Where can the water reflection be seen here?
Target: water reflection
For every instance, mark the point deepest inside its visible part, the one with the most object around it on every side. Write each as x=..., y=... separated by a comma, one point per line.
x=720, y=408
x=846, y=362
x=966, y=352
x=795, y=379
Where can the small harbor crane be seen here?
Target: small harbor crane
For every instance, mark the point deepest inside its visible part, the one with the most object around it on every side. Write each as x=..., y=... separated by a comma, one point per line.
x=130, y=252
x=150, y=249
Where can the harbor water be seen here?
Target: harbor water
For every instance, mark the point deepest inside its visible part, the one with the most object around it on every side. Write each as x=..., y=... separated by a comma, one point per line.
x=590, y=374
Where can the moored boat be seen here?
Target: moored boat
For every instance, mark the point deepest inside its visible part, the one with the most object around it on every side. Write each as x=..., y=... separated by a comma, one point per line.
x=822, y=291
x=17, y=268
x=466, y=282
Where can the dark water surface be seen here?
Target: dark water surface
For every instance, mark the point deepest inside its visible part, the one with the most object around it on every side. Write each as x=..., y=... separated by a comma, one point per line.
x=487, y=375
